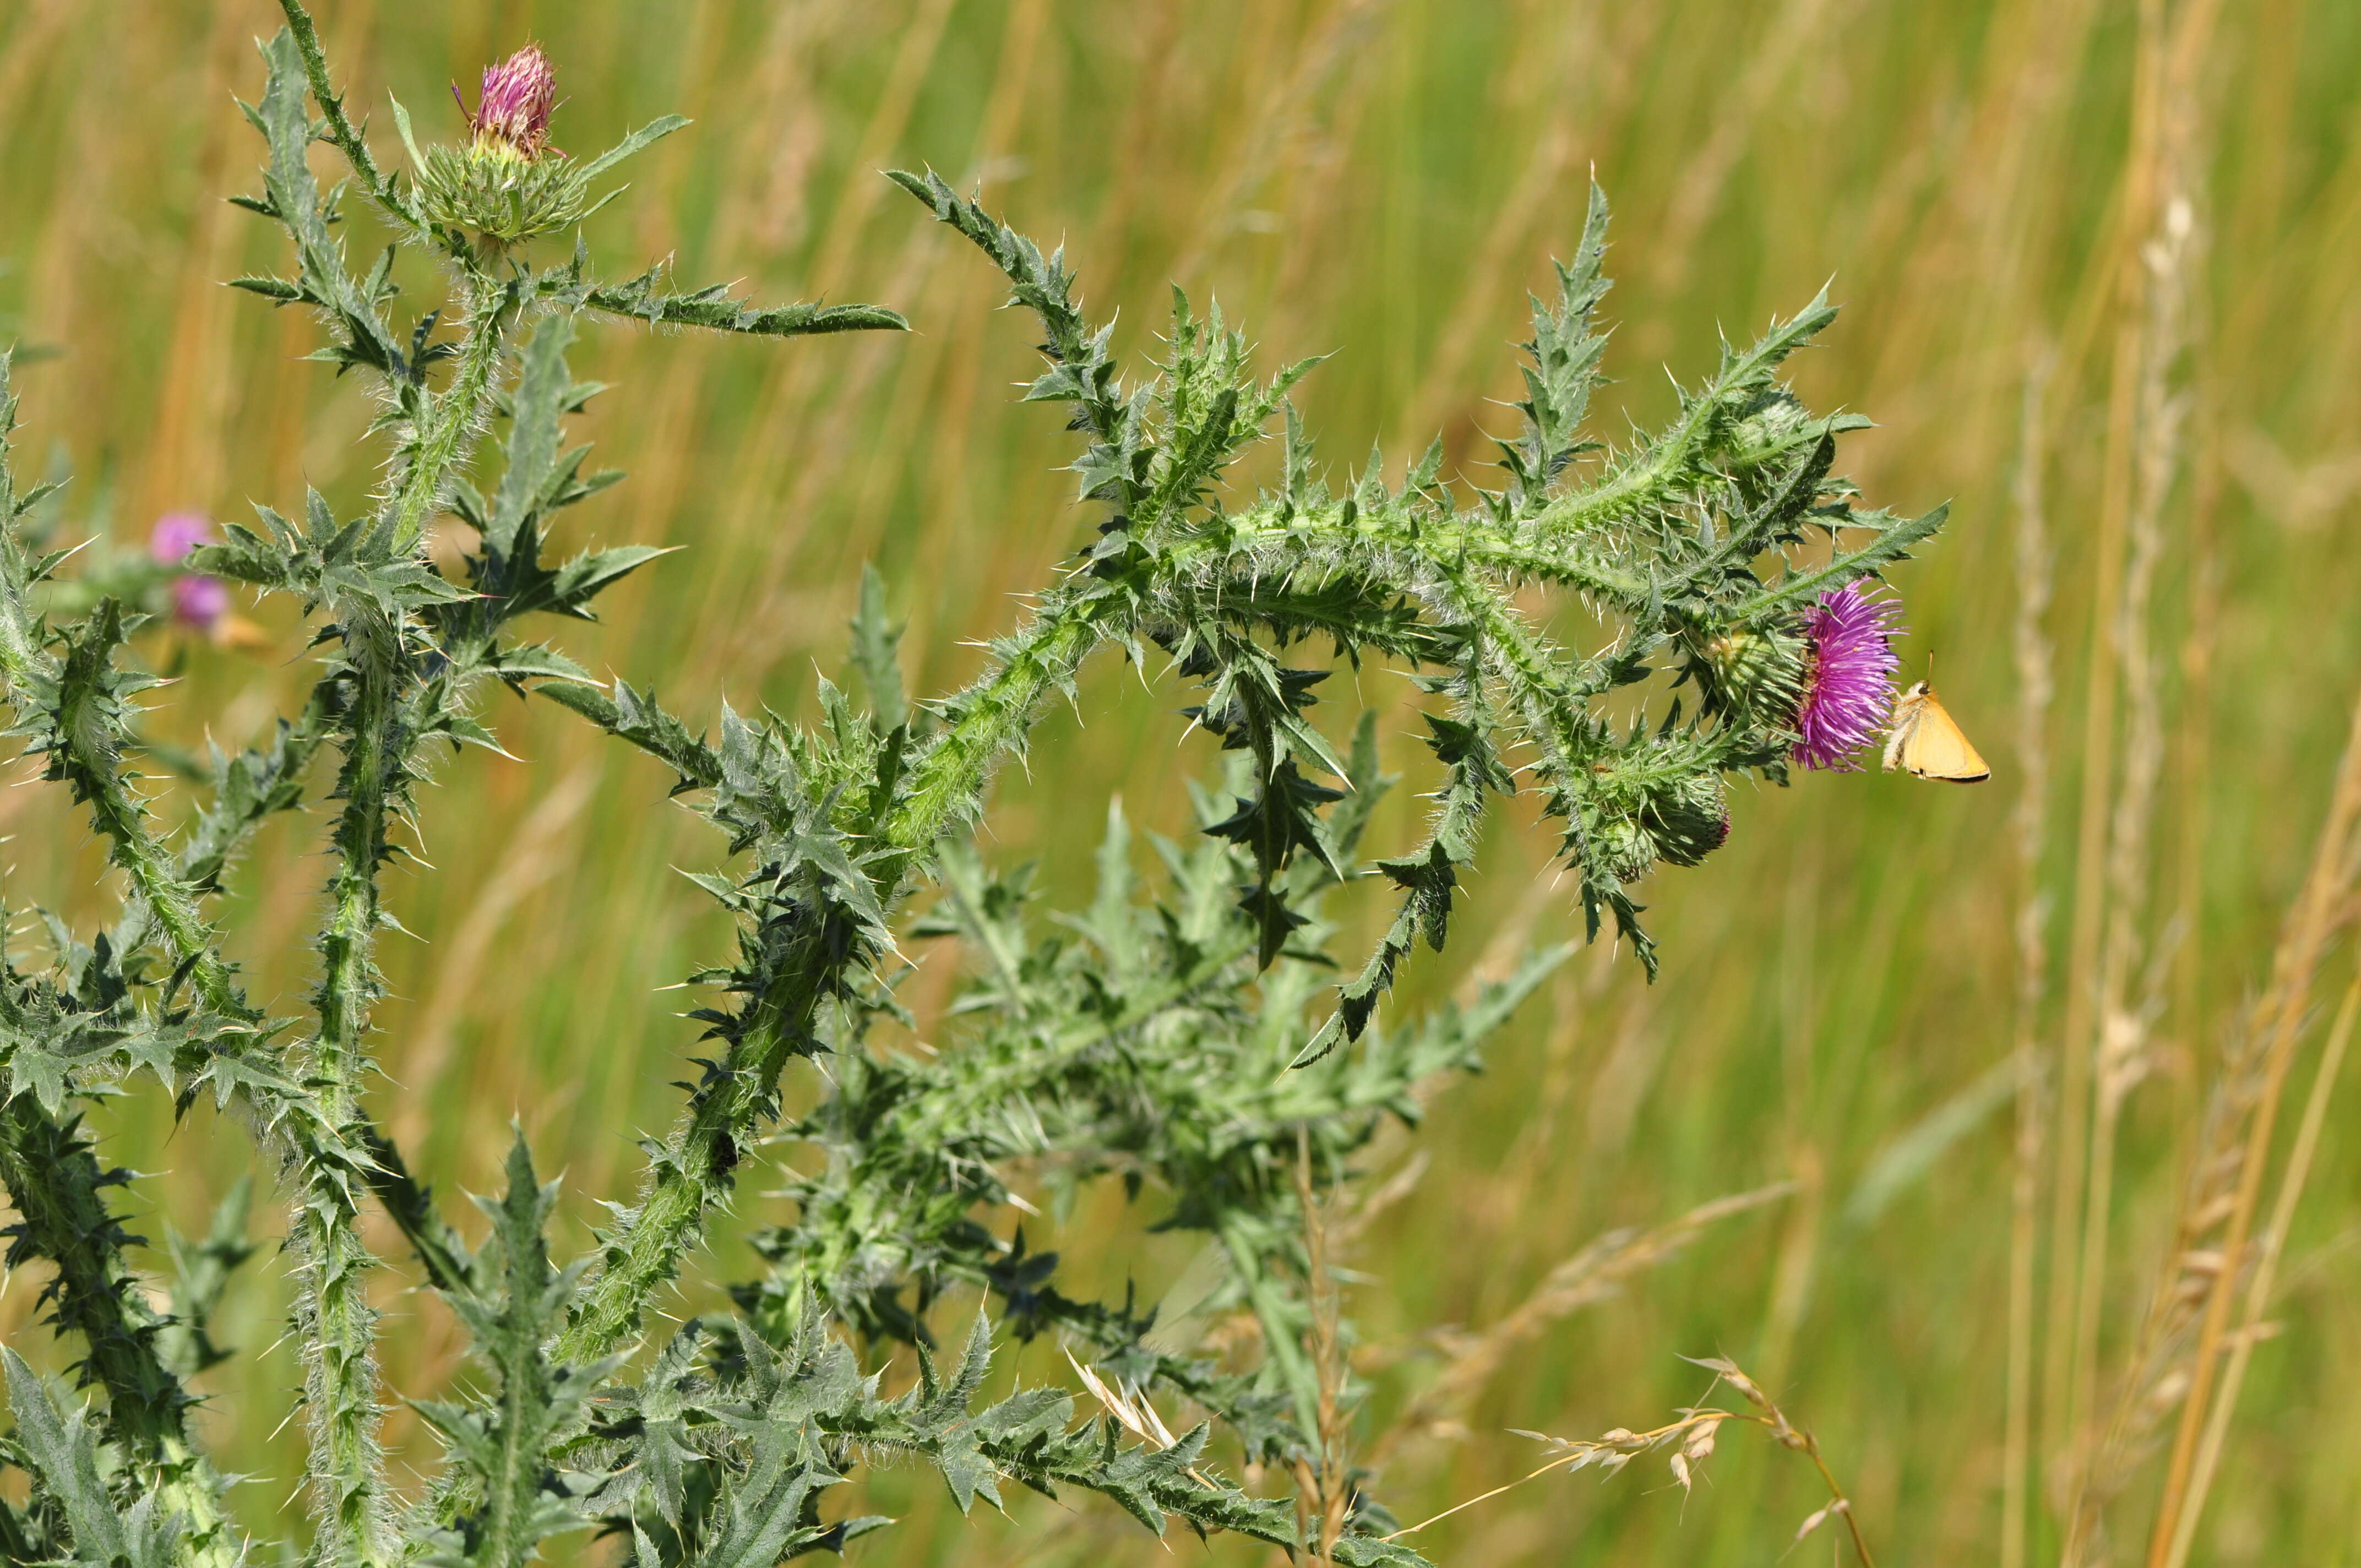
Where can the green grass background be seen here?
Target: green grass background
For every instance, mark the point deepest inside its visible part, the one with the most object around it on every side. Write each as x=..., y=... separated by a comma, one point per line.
x=1384, y=180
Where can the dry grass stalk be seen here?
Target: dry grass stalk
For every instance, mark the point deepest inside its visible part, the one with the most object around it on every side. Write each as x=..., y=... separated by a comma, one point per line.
x=536, y=854
x=2036, y=686
x=1595, y=1273
x=2065, y=1381
x=1328, y=1490
x=1133, y=1410
x=2123, y=1059
x=2144, y=456
x=1686, y=1443
x=185, y=462
x=1574, y=119
x=2207, y=397
x=2187, y=1321
x=2000, y=224
x=2251, y=1326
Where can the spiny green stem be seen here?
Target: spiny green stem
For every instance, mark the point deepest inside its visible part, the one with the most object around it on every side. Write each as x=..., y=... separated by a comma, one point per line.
x=29, y=666
x=336, y=1321
x=56, y=1184
x=349, y=1481
x=337, y=1329
x=694, y=1171
x=332, y=1312
x=155, y=879
x=1655, y=476
x=221, y=831
x=349, y=1493
x=1658, y=475
x=948, y=780
x=347, y=137
x=780, y=321
x=339, y=1320
x=1445, y=541
x=1544, y=692
x=349, y=983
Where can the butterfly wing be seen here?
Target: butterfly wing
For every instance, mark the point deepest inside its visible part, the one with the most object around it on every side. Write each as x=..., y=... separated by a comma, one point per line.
x=1933, y=746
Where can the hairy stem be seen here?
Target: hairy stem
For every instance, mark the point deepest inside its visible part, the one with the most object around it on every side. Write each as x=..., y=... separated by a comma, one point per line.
x=332, y=1314
x=1660, y=473
x=1559, y=560
x=348, y=984
x=455, y=414
x=337, y=1327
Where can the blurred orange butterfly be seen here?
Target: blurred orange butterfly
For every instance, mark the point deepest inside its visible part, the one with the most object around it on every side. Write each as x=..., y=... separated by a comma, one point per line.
x=1927, y=743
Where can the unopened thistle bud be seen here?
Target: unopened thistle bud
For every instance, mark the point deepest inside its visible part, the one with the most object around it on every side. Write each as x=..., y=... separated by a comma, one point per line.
x=1691, y=820
x=1624, y=846
x=1631, y=826
x=1751, y=675
x=508, y=184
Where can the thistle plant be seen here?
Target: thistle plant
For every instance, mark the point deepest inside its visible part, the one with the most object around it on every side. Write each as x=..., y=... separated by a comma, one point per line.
x=1185, y=1034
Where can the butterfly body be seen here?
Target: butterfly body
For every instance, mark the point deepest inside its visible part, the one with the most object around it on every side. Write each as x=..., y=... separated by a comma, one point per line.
x=1925, y=742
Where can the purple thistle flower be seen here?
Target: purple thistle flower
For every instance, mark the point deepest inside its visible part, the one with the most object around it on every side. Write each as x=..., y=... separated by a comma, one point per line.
x=199, y=601
x=175, y=535
x=518, y=98
x=1847, y=685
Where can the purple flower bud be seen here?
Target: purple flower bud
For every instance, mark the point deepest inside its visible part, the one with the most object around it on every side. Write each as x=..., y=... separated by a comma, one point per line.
x=175, y=535
x=199, y=601
x=513, y=113
x=1848, y=685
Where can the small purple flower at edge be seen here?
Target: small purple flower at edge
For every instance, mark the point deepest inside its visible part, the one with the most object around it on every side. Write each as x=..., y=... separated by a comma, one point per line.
x=1848, y=689
x=198, y=601
x=519, y=95
x=175, y=535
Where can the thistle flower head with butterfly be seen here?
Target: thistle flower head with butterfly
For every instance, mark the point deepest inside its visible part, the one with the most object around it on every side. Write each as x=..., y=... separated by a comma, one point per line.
x=1847, y=679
